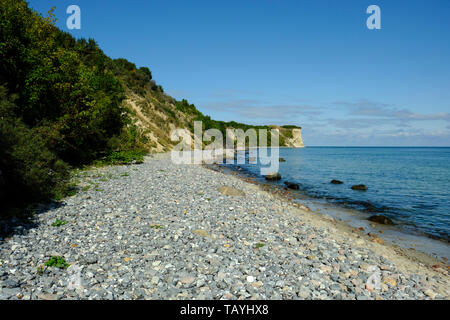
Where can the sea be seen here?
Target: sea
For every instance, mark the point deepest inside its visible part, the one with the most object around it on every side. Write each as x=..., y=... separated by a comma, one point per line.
x=410, y=185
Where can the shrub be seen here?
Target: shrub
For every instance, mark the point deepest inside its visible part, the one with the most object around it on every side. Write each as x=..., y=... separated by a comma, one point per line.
x=31, y=172
x=60, y=104
x=57, y=262
x=125, y=157
x=59, y=223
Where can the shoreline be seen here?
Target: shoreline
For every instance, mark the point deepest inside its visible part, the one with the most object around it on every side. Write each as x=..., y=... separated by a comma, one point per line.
x=354, y=219
x=158, y=230
x=407, y=215
x=424, y=258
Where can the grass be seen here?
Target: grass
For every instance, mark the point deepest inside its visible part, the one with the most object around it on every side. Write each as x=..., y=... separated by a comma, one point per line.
x=96, y=186
x=59, y=223
x=125, y=157
x=40, y=270
x=259, y=245
x=57, y=262
x=106, y=177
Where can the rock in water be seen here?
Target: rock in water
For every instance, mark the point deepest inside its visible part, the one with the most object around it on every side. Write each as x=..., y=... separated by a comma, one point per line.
x=291, y=185
x=282, y=160
x=381, y=219
x=336, y=181
x=360, y=187
x=230, y=191
x=273, y=176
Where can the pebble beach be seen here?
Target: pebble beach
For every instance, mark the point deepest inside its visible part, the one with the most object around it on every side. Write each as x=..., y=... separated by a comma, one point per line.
x=158, y=230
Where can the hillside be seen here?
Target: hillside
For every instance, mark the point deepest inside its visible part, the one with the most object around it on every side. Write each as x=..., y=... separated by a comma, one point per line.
x=157, y=114
x=64, y=104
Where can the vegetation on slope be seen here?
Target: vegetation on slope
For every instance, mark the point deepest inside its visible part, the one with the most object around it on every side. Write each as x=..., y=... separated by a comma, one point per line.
x=65, y=104
x=60, y=105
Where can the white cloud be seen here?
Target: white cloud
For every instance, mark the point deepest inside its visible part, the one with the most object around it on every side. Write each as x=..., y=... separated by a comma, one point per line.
x=259, y=110
x=360, y=122
x=364, y=107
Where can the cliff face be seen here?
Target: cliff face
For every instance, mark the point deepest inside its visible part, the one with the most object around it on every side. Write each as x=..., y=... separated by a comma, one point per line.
x=296, y=141
x=156, y=115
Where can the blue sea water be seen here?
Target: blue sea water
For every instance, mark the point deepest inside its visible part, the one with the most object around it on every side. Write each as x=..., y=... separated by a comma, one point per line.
x=409, y=185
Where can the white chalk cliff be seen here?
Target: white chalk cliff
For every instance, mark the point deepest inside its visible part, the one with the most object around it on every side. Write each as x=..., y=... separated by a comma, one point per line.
x=296, y=141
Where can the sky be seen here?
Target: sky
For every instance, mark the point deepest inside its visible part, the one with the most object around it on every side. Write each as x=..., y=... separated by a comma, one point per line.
x=311, y=63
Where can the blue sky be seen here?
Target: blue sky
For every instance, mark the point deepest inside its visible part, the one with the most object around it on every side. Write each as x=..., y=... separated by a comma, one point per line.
x=311, y=63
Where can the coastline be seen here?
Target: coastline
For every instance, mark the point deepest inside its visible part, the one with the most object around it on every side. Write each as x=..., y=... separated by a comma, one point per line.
x=164, y=231
x=409, y=240
x=320, y=218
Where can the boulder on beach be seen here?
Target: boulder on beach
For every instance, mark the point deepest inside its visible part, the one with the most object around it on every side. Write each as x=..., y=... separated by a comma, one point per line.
x=360, y=187
x=381, y=219
x=273, y=176
x=230, y=191
x=334, y=181
x=291, y=185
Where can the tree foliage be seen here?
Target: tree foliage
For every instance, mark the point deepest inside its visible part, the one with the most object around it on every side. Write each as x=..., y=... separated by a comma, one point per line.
x=31, y=171
x=61, y=105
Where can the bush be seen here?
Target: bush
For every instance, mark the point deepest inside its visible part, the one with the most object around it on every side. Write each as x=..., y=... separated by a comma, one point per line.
x=60, y=104
x=57, y=262
x=125, y=157
x=62, y=85
x=30, y=171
